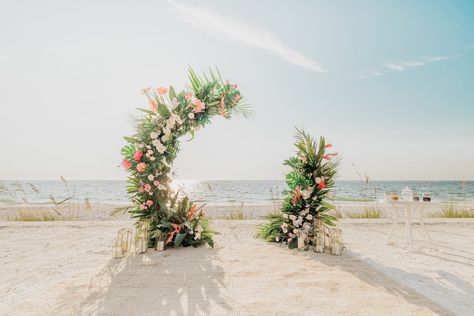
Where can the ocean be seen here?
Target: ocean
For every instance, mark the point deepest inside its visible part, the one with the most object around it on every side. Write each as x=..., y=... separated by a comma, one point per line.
x=223, y=192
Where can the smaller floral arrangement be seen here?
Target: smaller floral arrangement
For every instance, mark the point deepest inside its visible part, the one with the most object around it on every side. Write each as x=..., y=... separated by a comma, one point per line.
x=310, y=180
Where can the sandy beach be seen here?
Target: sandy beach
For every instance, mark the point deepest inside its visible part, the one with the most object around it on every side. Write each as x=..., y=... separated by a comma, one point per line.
x=66, y=268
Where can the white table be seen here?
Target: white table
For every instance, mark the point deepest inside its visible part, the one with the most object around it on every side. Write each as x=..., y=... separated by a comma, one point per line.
x=408, y=206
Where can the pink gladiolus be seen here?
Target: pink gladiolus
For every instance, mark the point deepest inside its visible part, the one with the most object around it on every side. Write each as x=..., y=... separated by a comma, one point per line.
x=138, y=155
x=141, y=206
x=188, y=96
x=126, y=164
x=149, y=203
x=328, y=146
x=162, y=90
x=147, y=187
x=199, y=106
x=327, y=157
x=153, y=105
x=141, y=167
x=237, y=98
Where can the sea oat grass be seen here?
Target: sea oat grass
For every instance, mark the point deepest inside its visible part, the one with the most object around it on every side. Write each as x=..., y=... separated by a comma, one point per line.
x=451, y=211
x=367, y=213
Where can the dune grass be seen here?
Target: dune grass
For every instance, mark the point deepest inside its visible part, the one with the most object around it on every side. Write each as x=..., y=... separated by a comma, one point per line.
x=451, y=211
x=368, y=212
x=29, y=217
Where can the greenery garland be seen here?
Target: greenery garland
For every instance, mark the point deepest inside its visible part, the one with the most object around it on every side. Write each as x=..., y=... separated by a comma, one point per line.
x=312, y=175
x=150, y=153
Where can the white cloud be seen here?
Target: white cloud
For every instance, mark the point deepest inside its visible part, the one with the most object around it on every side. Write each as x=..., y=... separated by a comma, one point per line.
x=226, y=28
x=402, y=65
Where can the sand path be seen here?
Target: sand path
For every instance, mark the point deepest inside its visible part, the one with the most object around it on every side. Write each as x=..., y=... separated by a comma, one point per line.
x=66, y=268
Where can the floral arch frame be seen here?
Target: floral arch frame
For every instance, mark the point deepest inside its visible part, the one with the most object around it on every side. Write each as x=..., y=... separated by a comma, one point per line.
x=151, y=151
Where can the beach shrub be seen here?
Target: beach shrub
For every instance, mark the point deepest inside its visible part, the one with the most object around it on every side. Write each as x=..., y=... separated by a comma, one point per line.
x=151, y=151
x=306, y=199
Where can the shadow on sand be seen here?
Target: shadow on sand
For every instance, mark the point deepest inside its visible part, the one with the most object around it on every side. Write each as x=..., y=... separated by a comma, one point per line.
x=174, y=282
x=368, y=272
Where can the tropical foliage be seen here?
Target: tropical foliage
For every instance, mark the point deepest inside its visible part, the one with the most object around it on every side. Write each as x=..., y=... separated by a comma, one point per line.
x=310, y=180
x=150, y=152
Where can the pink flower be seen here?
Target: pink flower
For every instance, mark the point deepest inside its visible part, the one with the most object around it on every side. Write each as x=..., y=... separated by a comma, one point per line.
x=328, y=146
x=227, y=82
x=126, y=164
x=149, y=203
x=153, y=105
x=162, y=90
x=222, y=112
x=156, y=182
x=141, y=206
x=237, y=98
x=141, y=167
x=138, y=155
x=188, y=96
x=234, y=86
x=147, y=187
x=327, y=157
x=199, y=106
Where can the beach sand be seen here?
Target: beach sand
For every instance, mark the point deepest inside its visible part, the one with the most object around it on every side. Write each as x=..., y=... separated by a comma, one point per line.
x=66, y=268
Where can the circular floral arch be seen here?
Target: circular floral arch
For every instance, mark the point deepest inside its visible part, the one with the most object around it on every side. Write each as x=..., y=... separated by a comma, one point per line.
x=151, y=151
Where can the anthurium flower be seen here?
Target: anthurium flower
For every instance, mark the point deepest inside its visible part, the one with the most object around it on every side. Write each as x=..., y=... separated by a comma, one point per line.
x=176, y=230
x=322, y=185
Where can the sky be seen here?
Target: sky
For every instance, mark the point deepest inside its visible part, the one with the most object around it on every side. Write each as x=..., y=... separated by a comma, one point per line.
x=388, y=83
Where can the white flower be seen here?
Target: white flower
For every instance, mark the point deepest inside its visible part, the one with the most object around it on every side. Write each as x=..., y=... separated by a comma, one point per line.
x=151, y=177
x=167, y=131
x=318, y=180
x=153, y=135
x=307, y=226
x=292, y=217
x=161, y=187
x=178, y=120
x=285, y=215
x=174, y=102
x=165, y=138
x=161, y=148
x=277, y=239
x=306, y=192
x=150, y=152
x=285, y=230
x=296, y=231
x=148, y=146
x=191, y=115
x=152, y=158
x=309, y=217
x=156, y=143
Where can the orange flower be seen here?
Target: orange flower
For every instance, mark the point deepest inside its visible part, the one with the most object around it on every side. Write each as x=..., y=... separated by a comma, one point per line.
x=162, y=90
x=176, y=230
x=322, y=185
x=153, y=105
x=191, y=212
x=328, y=146
x=296, y=195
